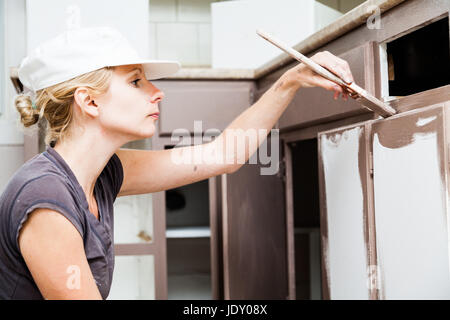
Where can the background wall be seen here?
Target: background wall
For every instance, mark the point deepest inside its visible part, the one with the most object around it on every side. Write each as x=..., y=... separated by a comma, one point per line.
x=130, y=20
x=181, y=30
x=235, y=43
x=12, y=49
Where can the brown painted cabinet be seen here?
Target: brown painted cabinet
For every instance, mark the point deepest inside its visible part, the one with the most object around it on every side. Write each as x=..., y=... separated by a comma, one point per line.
x=207, y=104
x=203, y=252
x=254, y=235
x=384, y=207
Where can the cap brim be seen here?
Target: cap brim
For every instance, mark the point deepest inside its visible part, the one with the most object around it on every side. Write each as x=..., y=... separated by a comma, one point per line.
x=157, y=69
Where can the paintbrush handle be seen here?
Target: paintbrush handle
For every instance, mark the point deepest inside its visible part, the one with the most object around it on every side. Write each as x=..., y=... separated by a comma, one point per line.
x=302, y=58
x=355, y=91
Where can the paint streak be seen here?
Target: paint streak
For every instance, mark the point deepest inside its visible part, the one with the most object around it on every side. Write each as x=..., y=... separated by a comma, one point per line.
x=399, y=132
x=364, y=177
x=424, y=121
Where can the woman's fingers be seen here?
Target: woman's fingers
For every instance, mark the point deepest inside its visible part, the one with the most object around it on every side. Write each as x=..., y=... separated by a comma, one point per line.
x=336, y=95
x=319, y=81
x=331, y=86
x=345, y=96
x=334, y=64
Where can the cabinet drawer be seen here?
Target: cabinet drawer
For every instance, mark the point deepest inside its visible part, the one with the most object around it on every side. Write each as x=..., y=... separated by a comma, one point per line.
x=215, y=103
x=314, y=105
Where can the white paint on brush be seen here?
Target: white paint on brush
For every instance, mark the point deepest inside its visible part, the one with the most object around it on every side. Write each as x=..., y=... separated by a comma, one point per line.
x=424, y=121
x=346, y=255
x=411, y=223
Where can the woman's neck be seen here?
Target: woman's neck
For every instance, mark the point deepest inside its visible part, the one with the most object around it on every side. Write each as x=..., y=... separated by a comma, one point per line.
x=86, y=157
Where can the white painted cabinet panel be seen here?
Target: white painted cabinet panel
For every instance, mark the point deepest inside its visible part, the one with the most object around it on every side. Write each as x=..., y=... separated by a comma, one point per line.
x=411, y=214
x=342, y=164
x=134, y=278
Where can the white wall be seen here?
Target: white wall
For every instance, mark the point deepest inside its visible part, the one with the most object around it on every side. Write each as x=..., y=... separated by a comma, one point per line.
x=12, y=48
x=181, y=30
x=235, y=43
x=129, y=17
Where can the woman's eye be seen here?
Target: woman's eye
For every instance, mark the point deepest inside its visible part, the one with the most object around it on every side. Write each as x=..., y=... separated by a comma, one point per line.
x=137, y=80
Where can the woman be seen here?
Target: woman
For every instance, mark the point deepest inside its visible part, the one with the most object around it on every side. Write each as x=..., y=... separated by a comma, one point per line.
x=56, y=213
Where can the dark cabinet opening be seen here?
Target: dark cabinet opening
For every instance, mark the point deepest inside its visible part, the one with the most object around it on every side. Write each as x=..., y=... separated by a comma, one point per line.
x=305, y=180
x=188, y=242
x=420, y=60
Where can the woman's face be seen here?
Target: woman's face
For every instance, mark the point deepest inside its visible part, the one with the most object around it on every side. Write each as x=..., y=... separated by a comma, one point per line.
x=126, y=107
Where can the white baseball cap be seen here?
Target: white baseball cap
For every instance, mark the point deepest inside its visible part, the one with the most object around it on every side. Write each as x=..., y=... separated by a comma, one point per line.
x=81, y=50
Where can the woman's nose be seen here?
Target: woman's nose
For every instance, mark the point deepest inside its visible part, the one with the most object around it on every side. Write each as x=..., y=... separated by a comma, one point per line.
x=156, y=94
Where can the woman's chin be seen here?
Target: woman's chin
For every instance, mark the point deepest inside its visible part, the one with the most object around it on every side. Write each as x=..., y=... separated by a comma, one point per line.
x=149, y=132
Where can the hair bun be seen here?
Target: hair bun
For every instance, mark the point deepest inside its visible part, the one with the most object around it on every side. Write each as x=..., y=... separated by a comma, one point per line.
x=24, y=105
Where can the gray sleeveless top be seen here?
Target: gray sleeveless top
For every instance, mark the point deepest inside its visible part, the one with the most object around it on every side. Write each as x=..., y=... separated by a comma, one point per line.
x=46, y=181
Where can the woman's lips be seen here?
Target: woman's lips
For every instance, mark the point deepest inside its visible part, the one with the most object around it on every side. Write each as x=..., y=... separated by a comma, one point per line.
x=154, y=115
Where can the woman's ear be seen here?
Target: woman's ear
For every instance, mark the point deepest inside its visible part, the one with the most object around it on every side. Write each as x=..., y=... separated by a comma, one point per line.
x=83, y=100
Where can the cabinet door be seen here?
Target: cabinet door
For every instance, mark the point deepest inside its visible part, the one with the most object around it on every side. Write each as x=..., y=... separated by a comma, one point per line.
x=313, y=105
x=411, y=210
x=345, y=213
x=254, y=235
x=214, y=103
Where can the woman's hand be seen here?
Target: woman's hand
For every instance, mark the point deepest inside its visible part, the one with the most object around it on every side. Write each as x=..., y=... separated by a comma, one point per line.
x=306, y=78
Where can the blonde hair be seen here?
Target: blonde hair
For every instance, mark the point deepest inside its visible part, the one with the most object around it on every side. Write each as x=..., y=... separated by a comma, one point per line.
x=55, y=103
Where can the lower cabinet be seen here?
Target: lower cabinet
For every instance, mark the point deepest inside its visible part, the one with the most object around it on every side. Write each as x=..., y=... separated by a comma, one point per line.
x=353, y=212
x=384, y=207
x=225, y=237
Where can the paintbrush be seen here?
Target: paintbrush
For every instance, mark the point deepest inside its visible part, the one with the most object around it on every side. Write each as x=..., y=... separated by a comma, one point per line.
x=355, y=91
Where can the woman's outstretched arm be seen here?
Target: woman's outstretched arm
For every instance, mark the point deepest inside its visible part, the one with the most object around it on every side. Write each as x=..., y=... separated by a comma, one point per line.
x=147, y=171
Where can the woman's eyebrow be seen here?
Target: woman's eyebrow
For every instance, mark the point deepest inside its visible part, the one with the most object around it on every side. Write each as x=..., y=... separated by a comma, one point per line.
x=134, y=70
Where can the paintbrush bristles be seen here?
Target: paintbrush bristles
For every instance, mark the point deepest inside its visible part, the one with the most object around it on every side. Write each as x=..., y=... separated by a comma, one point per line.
x=369, y=101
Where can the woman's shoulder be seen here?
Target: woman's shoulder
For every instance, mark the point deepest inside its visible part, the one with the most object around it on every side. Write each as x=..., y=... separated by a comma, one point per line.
x=37, y=173
x=38, y=183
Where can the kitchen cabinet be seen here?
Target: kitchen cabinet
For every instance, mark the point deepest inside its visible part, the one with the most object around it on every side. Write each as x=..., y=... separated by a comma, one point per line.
x=205, y=105
x=325, y=224
x=358, y=208
x=254, y=235
x=223, y=240
x=191, y=245
x=384, y=213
